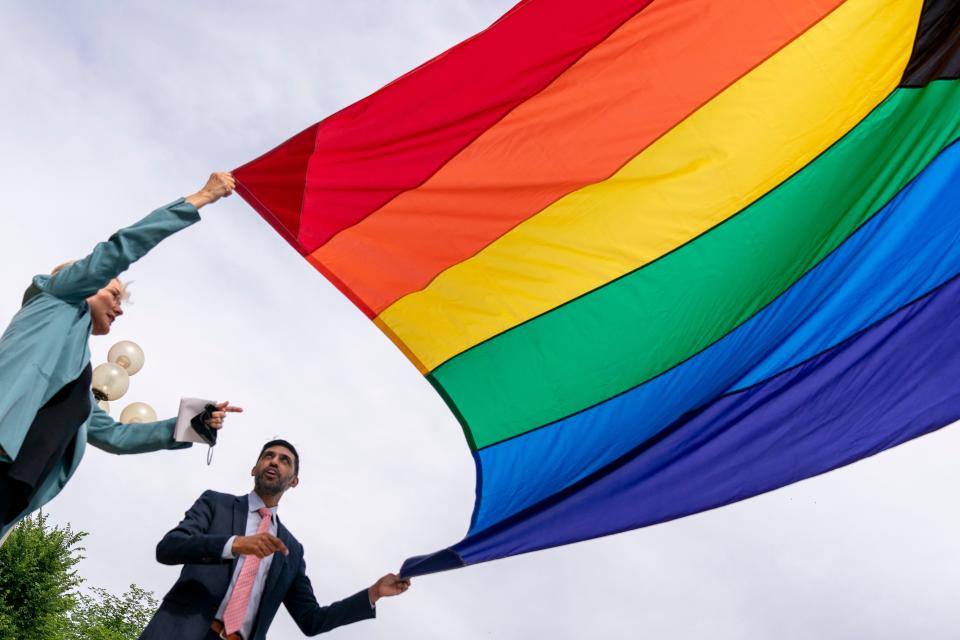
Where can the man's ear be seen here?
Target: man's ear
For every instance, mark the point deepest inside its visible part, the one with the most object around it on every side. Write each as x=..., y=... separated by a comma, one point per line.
x=295, y=482
x=253, y=471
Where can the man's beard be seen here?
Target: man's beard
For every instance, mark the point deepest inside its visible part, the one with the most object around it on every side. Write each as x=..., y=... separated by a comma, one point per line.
x=270, y=487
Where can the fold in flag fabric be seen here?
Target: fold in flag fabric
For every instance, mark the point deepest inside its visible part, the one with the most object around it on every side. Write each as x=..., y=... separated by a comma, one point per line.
x=656, y=256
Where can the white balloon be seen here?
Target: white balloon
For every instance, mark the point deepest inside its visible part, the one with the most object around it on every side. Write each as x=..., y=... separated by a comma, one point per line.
x=111, y=380
x=138, y=412
x=128, y=355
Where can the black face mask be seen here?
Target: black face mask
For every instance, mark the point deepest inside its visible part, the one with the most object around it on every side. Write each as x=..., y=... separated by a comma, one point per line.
x=199, y=424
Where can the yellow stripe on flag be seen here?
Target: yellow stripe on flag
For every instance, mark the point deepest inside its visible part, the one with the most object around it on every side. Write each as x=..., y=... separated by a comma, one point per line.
x=733, y=150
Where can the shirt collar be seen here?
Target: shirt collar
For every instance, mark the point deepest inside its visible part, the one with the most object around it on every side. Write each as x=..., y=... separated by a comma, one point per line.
x=255, y=503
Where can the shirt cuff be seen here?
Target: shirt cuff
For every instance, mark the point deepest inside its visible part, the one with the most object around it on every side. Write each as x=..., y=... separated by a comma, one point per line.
x=227, y=553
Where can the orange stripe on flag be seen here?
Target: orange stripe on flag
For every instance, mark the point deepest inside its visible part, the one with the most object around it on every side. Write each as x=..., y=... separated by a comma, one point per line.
x=653, y=72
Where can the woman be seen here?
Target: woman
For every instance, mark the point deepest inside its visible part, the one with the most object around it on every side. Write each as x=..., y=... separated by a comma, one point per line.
x=47, y=411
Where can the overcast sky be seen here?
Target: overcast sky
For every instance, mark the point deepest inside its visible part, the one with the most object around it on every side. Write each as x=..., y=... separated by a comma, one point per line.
x=108, y=110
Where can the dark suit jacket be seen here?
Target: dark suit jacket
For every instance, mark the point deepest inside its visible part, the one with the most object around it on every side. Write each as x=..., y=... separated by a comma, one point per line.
x=197, y=543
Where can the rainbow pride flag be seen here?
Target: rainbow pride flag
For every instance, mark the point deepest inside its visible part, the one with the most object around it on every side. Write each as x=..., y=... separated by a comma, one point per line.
x=657, y=256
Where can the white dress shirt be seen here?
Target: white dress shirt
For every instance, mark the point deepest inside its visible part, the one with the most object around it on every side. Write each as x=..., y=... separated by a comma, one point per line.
x=253, y=523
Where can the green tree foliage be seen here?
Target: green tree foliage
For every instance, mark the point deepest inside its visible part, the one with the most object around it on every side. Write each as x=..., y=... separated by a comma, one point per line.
x=39, y=590
x=104, y=616
x=38, y=580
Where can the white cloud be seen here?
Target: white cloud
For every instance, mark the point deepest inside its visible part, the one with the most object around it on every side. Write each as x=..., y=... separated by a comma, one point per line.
x=108, y=110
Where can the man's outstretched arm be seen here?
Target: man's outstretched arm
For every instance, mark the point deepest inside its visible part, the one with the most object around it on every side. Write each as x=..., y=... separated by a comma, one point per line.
x=313, y=619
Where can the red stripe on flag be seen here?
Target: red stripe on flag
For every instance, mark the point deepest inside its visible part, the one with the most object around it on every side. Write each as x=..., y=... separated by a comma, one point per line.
x=393, y=140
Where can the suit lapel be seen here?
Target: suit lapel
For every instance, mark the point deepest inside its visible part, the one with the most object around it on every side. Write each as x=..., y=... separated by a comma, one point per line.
x=279, y=560
x=240, y=508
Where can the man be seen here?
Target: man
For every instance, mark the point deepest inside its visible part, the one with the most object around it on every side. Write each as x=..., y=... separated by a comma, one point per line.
x=47, y=412
x=240, y=563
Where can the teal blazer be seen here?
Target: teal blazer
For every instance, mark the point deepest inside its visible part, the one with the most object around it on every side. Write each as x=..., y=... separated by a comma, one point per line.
x=45, y=347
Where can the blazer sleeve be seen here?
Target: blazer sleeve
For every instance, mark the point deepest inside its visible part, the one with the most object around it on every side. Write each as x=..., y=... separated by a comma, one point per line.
x=312, y=618
x=105, y=433
x=83, y=278
x=189, y=542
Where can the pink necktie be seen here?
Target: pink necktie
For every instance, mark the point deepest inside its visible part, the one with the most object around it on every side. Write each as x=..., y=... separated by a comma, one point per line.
x=236, y=609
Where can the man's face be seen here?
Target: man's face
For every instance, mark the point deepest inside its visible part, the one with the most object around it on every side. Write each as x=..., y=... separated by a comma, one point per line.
x=105, y=307
x=274, y=472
